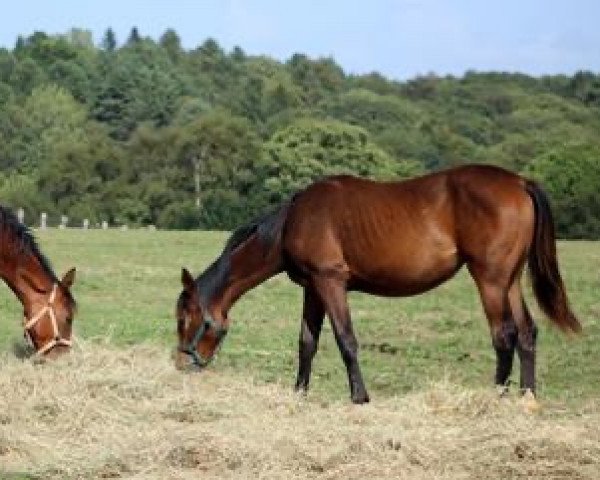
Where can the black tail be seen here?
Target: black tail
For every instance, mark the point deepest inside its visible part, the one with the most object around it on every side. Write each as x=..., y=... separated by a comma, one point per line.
x=548, y=285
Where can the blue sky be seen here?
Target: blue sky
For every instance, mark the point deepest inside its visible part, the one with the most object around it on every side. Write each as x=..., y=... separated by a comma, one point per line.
x=400, y=39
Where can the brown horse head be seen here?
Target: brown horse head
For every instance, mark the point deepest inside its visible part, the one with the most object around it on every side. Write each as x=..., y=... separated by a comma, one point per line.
x=199, y=335
x=48, y=313
x=249, y=257
x=48, y=306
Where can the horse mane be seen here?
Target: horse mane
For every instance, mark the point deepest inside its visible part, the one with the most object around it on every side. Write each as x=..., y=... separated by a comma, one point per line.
x=23, y=239
x=266, y=227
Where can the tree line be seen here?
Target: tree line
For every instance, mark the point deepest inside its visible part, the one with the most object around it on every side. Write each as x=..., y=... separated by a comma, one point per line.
x=146, y=132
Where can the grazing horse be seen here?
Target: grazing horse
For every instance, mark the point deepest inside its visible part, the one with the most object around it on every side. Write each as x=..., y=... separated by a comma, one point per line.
x=48, y=305
x=391, y=239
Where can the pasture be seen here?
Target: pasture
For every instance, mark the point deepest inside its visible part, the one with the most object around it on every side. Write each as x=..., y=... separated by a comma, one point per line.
x=117, y=408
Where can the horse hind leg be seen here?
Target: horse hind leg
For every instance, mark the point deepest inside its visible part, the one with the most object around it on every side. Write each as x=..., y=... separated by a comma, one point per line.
x=504, y=345
x=526, y=344
x=494, y=298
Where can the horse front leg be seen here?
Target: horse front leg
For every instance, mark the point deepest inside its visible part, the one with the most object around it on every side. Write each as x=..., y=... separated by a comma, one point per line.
x=333, y=295
x=312, y=321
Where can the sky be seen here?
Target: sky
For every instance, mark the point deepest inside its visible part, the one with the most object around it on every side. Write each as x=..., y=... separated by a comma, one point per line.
x=400, y=39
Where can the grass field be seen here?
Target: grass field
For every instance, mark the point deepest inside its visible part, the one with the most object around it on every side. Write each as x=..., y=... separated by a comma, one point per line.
x=426, y=354
x=127, y=284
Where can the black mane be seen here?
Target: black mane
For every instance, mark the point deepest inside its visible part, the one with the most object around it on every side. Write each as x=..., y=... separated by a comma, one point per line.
x=23, y=238
x=267, y=227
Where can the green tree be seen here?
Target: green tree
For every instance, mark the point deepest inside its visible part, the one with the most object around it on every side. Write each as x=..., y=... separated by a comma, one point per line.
x=76, y=176
x=48, y=115
x=138, y=134
x=6, y=96
x=7, y=65
x=109, y=41
x=137, y=84
x=80, y=38
x=571, y=176
x=18, y=190
x=310, y=149
x=393, y=121
x=585, y=86
x=316, y=78
x=218, y=153
x=238, y=54
x=171, y=43
x=26, y=76
x=134, y=37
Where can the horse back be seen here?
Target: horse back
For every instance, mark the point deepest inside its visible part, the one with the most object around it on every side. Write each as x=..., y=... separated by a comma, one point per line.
x=397, y=238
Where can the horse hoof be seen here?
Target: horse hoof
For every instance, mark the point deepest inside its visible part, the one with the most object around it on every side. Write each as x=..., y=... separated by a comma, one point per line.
x=502, y=390
x=360, y=399
x=301, y=390
x=529, y=402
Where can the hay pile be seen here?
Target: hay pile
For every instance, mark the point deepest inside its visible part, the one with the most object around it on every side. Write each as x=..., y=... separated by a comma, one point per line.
x=103, y=412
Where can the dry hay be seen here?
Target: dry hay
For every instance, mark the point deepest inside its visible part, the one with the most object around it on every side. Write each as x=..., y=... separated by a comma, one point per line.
x=104, y=412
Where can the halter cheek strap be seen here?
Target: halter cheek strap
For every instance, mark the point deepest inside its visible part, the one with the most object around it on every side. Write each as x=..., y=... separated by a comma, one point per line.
x=48, y=309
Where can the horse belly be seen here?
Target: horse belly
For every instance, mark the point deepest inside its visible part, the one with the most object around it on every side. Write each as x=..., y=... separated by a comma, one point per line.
x=409, y=275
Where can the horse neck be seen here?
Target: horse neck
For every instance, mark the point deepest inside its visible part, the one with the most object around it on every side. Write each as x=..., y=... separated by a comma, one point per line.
x=24, y=274
x=250, y=265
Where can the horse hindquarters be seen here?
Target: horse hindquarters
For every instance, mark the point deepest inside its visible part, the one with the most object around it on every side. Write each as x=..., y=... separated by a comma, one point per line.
x=496, y=230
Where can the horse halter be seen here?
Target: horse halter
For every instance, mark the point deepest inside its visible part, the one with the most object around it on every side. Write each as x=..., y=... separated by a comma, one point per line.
x=190, y=348
x=48, y=309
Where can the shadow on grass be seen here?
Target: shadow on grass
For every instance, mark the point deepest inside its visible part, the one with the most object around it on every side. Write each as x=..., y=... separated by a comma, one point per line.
x=22, y=351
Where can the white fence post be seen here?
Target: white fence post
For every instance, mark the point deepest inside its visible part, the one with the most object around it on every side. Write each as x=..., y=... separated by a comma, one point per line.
x=86, y=224
x=64, y=220
x=21, y=215
x=43, y=220
x=104, y=225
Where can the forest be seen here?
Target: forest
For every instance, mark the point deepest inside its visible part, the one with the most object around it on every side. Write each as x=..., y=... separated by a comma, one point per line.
x=142, y=131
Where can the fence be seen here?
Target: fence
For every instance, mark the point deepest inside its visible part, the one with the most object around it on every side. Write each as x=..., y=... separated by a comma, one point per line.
x=64, y=223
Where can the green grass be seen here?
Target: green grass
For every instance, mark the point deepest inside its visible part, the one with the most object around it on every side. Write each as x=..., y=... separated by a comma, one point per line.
x=127, y=284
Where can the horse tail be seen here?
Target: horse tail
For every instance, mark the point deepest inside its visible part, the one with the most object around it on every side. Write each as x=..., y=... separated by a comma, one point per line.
x=546, y=280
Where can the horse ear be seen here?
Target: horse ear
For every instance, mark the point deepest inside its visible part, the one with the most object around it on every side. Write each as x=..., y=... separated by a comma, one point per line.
x=187, y=280
x=68, y=278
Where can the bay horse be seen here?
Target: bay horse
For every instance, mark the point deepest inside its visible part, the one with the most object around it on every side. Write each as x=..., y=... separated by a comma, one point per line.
x=48, y=306
x=392, y=239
